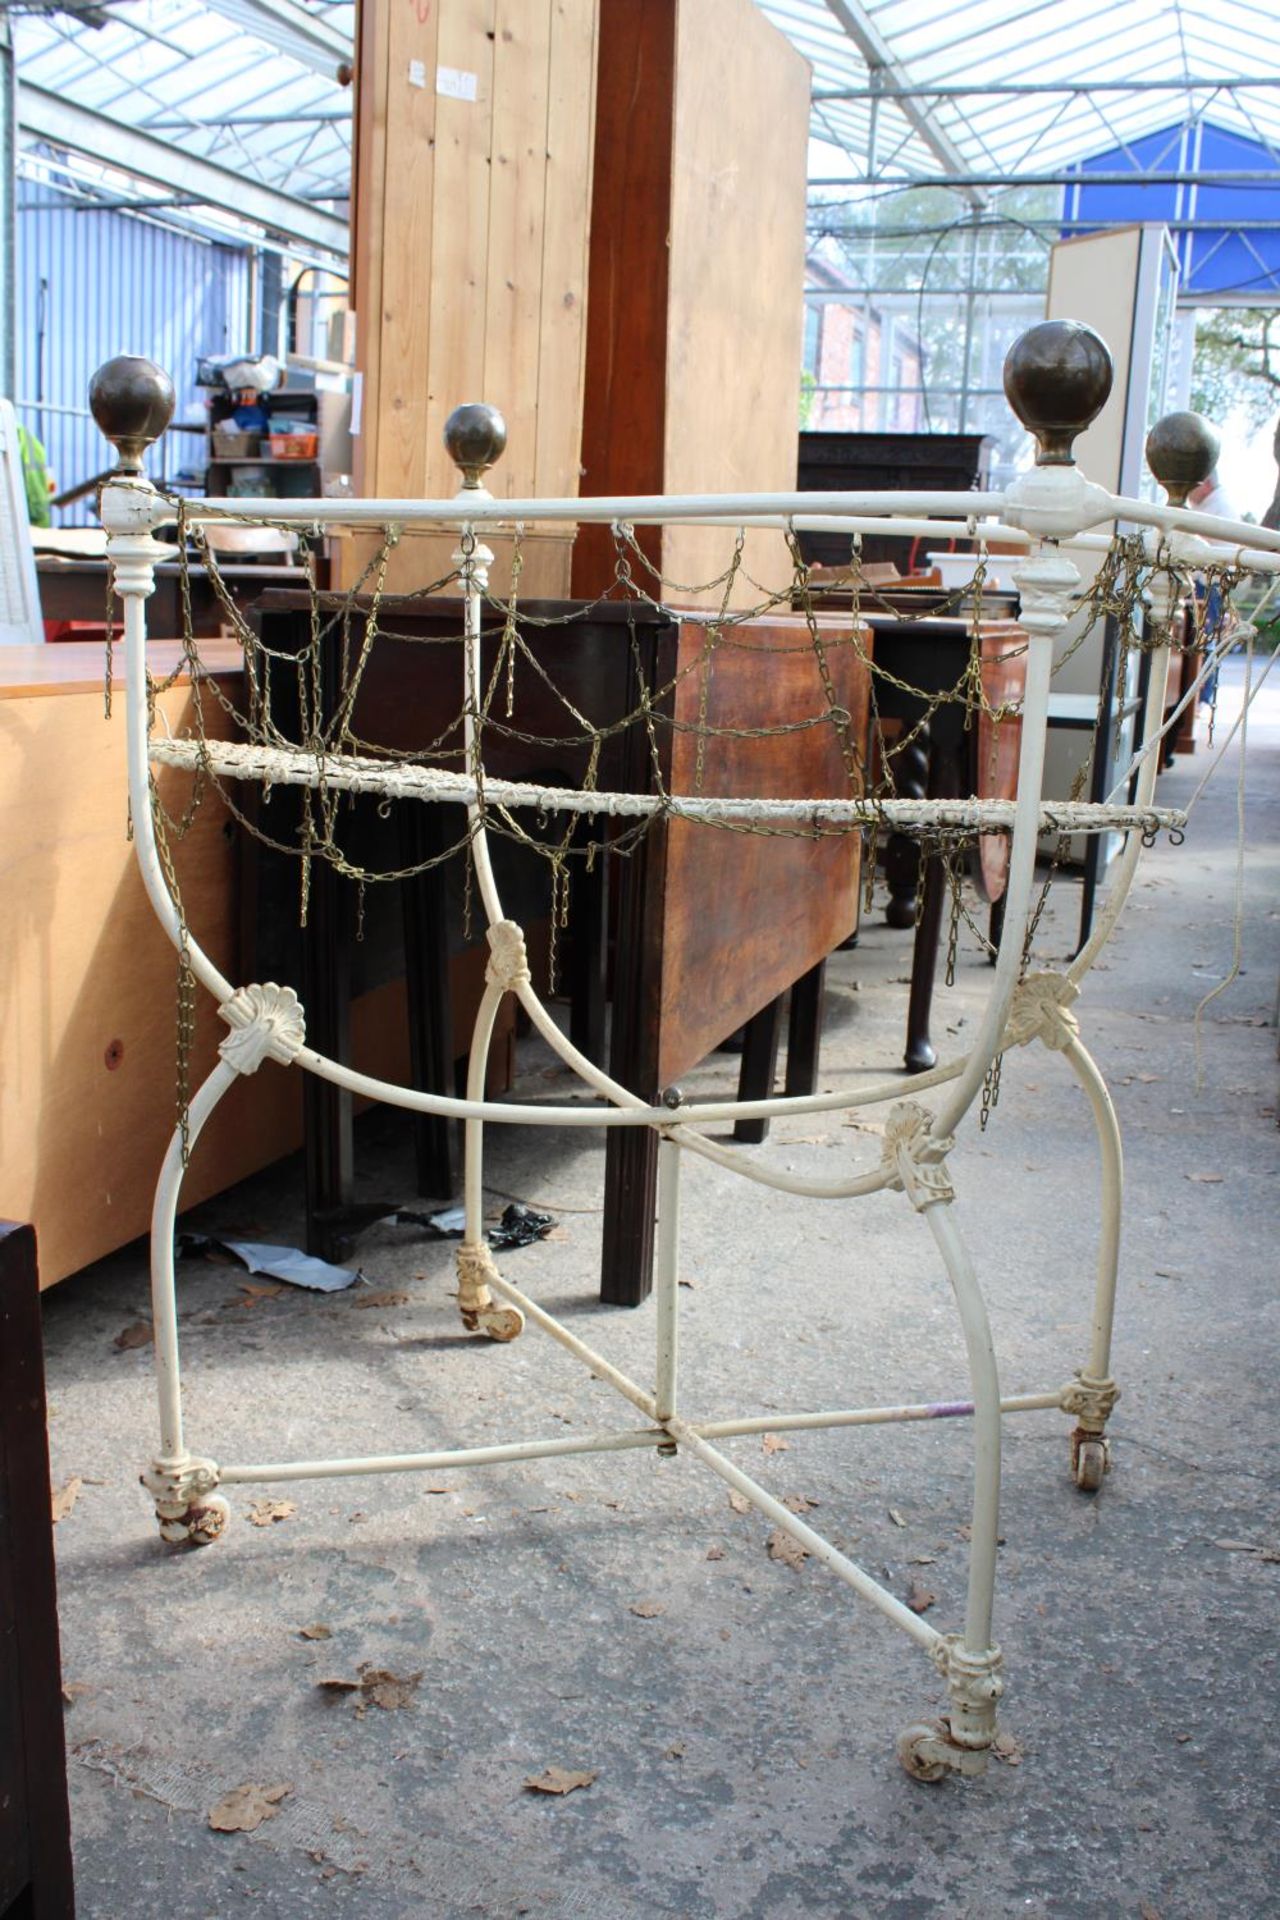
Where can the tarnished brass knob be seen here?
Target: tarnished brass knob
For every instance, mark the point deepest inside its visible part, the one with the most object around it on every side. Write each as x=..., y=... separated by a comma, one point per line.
x=1182, y=450
x=474, y=436
x=132, y=400
x=1057, y=377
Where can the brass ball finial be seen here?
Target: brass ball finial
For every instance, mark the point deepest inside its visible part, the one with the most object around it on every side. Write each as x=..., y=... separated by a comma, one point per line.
x=1057, y=377
x=475, y=436
x=132, y=401
x=1182, y=450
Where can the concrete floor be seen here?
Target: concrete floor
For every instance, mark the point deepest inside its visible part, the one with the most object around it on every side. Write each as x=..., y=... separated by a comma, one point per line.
x=740, y=1727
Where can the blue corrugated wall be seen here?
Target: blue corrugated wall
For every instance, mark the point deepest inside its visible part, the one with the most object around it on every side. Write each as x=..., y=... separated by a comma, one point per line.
x=91, y=284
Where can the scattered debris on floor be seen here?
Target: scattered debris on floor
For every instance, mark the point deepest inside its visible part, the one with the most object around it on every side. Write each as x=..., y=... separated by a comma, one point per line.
x=65, y=1497
x=244, y=1809
x=558, y=1780
x=290, y=1264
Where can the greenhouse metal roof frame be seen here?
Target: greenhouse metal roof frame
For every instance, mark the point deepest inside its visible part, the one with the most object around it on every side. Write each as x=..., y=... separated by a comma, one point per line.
x=906, y=93
x=1011, y=92
x=253, y=125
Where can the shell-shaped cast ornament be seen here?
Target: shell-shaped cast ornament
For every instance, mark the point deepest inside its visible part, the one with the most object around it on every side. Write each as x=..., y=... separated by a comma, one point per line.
x=266, y=1022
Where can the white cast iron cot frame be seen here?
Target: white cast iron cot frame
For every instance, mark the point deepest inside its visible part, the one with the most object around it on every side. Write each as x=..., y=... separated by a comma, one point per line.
x=1052, y=506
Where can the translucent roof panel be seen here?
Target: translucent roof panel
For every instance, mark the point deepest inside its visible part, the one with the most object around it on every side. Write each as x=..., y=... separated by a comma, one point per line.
x=1146, y=64
x=249, y=85
x=981, y=90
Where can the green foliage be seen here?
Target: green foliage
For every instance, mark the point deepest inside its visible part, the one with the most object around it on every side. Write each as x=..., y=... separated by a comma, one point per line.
x=808, y=387
x=1237, y=364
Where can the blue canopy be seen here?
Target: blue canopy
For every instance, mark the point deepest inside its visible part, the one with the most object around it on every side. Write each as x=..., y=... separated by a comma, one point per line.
x=1230, y=258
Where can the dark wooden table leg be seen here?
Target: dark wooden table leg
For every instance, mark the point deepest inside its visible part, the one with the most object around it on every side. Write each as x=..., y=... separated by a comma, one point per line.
x=945, y=783
x=35, y=1827
x=1100, y=772
x=424, y=903
x=326, y=996
x=804, y=1031
x=902, y=865
x=921, y=1054
x=761, y=1036
x=631, y=1153
x=588, y=959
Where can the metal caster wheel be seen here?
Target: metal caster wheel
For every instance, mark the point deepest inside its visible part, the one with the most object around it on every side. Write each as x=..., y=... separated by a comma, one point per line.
x=200, y=1525
x=1090, y=1462
x=498, y=1323
x=917, y=1749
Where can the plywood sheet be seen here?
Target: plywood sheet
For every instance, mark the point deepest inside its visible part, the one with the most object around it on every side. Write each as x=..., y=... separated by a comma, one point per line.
x=453, y=279
x=87, y=1017
x=735, y=314
x=474, y=131
x=571, y=121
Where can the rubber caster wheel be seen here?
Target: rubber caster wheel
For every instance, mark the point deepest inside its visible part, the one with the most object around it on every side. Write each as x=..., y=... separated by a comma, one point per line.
x=1090, y=1463
x=916, y=1746
x=200, y=1525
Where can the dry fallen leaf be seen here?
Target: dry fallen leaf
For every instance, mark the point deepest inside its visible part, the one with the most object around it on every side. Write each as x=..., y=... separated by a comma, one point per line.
x=1006, y=1748
x=739, y=1502
x=896, y=1517
x=783, y=1547
x=73, y=1690
x=65, y=1498
x=675, y=1751
x=647, y=1609
x=316, y=1631
x=388, y=1690
x=255, y=1294
x=799, y=1503
x=137, y=1335
x=1147, y=1912
x=245, y=1808
x=391, y=1298
x=919, y=1598
x=1205, y=1179
x=685, y=1282
x=377, y=1686
x=264, y=1513
x=774, y=1443
x=558, y=1780
x=715, y=1553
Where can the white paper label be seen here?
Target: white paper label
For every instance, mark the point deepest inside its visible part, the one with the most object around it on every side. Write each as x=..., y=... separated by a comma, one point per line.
x=357, y=403
x=417, y=73
x=455, y=84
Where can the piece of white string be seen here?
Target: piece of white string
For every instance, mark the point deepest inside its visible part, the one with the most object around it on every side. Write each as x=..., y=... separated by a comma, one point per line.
x=1237, y=931
x=1212, y=661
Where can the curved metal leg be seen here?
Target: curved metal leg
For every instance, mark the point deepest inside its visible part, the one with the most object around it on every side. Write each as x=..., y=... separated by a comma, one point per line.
x=476, y=1266
x=970, y=1662
x=1093, y=1393
x=181, y=1483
